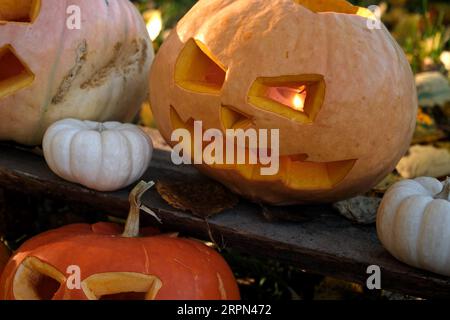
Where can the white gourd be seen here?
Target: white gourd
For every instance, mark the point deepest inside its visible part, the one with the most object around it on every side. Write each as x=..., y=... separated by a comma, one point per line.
x=413, y=223
x=102, y=156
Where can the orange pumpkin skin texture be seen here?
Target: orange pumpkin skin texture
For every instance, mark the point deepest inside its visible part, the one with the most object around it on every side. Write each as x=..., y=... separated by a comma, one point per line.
x=181, y=268
x=4, y=256
x=219, y=63
x=49, y=72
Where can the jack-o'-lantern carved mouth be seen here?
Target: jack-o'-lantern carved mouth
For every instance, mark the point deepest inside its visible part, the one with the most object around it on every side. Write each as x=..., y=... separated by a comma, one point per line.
x=294, y=172
x=37, y=280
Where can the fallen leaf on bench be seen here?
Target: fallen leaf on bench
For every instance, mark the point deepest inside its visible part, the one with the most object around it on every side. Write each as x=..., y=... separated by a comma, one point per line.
x=362, y=210
x=203, y=198
x=426, y=161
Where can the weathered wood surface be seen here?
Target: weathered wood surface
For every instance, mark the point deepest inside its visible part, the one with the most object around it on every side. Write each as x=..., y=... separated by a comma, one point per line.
x=325, y=243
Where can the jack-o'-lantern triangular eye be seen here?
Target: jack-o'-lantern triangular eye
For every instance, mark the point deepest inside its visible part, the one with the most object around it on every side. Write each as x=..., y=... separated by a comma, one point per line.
x=198, y=70
x=25, y=11
x=298, y=98
x=14, y=74
x=121, y=286
x=36, y=280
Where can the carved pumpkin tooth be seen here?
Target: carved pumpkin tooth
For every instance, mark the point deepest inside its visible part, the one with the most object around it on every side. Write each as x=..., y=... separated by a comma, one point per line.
x=233, y=119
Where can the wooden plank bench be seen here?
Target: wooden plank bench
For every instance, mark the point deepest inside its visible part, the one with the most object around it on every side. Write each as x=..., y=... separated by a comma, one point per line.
x=325, y=244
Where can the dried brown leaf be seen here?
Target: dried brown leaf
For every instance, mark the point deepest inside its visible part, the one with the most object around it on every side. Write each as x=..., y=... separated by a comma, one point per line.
x=203, y=198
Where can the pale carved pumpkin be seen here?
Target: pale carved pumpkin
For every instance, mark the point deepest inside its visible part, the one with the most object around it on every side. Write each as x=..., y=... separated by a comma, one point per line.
x=413, y=223
x=101, y=156
x=341, y=93
x=115, y=266
x=49, y=72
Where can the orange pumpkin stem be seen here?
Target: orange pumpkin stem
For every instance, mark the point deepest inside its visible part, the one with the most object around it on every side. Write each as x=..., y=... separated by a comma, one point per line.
x=132, y=225
x=445, y=193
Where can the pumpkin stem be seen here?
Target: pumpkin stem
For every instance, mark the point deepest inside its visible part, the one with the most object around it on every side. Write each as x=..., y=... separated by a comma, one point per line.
x=445, y=193
x=132, y=225
x=101, y=127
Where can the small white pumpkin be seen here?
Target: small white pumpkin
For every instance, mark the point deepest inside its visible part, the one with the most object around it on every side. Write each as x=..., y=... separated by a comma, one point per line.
x=413, y=223
x=101, y=156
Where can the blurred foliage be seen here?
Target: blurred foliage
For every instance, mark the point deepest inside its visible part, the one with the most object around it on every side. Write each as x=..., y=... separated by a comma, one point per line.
x=420, y=26
x=423, y=36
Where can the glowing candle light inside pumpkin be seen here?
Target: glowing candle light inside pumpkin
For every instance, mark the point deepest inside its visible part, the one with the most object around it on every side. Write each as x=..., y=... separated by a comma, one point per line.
x=291, y=97
x=299, y=99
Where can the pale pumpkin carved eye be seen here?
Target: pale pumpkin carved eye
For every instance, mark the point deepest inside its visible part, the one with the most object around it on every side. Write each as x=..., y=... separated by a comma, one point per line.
x=298, y=98
x=121, y=286
x=36, y=280
x=198, y=70
x=14, y=74
x=24, y=11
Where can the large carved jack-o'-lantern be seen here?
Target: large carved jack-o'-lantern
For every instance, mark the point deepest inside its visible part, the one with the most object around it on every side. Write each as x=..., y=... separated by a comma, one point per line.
x=341, y=93
x=53, y=68
x=114, y=266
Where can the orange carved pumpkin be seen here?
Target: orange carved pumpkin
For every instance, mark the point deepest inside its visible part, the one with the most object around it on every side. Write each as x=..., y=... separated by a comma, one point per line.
x=52, y=68
x=115, y=266
x=341, y=92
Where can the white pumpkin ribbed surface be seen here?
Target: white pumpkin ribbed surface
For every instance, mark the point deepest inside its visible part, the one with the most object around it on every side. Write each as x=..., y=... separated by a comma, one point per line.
x=102, y=156
x=413, y=223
